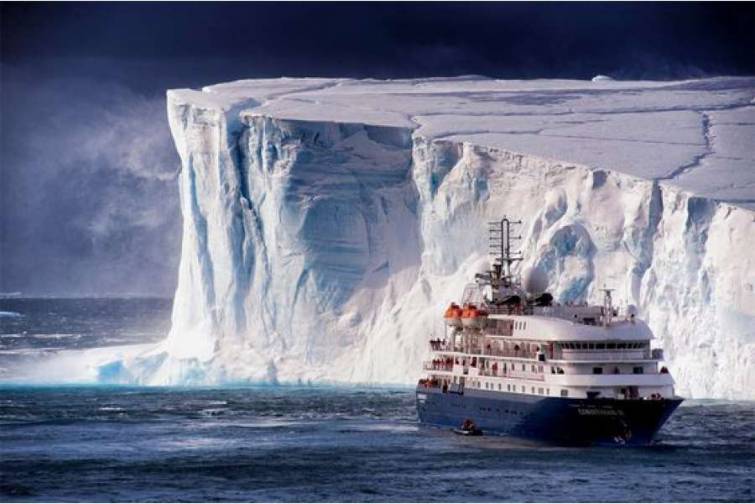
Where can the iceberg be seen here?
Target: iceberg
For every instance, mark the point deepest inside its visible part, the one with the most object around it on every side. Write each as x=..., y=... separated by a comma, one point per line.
x=328, y=222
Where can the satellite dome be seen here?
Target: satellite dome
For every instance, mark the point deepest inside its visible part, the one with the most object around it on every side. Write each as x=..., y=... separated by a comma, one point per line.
x=534, y=280
x=631, y=311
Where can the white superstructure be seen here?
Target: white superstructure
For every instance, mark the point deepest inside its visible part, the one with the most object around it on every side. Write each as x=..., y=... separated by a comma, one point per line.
x=511, y=340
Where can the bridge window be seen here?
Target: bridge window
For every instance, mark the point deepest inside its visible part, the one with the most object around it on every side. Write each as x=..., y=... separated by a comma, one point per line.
x=637, y=370
x=597, y=370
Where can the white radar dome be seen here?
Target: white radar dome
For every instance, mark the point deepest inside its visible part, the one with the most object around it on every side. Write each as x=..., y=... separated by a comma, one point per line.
x=534, y=280
x=631, y=311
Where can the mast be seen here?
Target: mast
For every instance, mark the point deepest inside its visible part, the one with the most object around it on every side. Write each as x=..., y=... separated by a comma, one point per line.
x=501, y=242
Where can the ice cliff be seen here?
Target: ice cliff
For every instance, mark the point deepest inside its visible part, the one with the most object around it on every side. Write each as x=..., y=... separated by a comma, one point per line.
x=327, y=222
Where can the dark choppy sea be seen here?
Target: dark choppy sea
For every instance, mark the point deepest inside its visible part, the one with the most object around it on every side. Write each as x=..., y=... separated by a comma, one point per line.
x=97, y=443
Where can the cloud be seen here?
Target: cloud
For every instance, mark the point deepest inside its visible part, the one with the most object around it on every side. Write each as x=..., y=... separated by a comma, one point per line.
x=89, y=197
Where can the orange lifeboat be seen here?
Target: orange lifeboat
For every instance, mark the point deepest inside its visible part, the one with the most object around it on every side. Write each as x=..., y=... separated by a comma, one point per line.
x=473, y=317
x=453, y=315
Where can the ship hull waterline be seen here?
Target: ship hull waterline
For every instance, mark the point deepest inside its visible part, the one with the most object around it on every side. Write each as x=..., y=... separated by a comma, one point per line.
x=553, y=420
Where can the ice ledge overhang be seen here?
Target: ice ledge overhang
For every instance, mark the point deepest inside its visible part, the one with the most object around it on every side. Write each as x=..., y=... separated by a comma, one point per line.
x=697, y=135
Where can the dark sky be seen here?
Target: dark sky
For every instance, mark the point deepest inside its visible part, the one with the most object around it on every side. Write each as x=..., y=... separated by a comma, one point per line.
x=87, y=169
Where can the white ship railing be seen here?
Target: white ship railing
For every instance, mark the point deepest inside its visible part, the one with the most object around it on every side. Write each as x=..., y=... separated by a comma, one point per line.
x=612, y=380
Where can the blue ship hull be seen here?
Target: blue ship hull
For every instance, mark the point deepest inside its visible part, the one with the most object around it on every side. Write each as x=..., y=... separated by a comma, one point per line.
x=556, y=420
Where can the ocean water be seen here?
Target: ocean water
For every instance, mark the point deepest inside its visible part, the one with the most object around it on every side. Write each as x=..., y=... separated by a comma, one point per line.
x=250, y=443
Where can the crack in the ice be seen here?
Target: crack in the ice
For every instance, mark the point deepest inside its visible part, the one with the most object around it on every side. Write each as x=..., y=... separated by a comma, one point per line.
x=633, y=140
x=483, y=132
x=286, y=94
x=697, y=159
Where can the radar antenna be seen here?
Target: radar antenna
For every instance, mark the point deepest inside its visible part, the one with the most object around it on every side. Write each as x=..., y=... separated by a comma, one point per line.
x=607, y=306
x=500, y=249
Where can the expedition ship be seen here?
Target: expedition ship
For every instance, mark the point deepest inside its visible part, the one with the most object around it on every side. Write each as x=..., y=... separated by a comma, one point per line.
x=514, y=362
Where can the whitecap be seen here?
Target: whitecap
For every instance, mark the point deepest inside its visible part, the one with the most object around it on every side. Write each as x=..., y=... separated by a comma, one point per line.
x=10, y=314
x=55, y=336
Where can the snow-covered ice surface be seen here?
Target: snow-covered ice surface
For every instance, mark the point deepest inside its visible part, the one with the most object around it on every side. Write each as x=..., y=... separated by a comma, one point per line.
x=327, y=222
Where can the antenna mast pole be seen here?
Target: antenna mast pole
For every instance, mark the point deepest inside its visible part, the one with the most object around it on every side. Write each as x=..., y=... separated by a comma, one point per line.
x=500, y=248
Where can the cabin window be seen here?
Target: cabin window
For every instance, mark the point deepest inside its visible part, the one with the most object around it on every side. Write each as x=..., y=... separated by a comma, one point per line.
x=533, y=389
x=637, y=370
x=564, y=393
x=600, y=346
x=508, y=388
x=611, y=346
x=540, y=391
x=597, y=370
x=523, y=368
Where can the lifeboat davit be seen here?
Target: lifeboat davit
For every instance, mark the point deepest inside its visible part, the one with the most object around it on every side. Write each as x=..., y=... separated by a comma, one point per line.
x=453, y=315
x=473, y=317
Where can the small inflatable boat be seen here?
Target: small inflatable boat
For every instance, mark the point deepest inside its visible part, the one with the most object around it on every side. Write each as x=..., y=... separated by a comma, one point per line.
x=468, y=428
x=466, y=432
